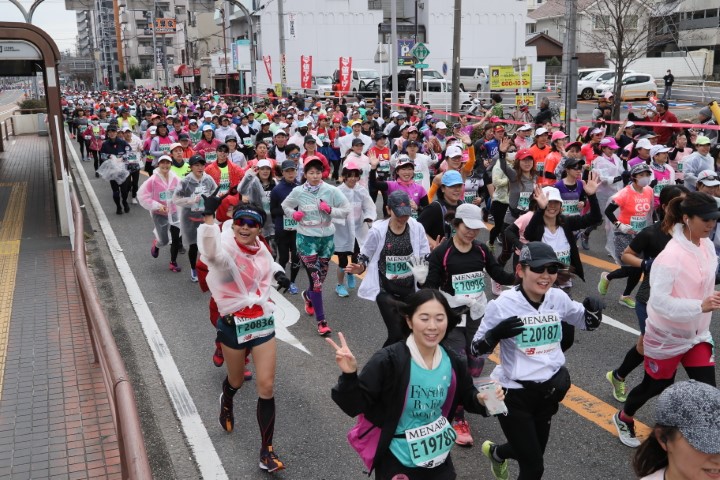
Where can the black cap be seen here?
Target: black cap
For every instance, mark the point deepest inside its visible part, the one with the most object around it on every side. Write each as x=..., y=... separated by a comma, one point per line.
x=112, y=128
x=538, y=254
x=309, y=138
x=183, y=136
x=572, y=162
x=287, y=165
x=379, y=136
x=196, y=159
x=357, y=141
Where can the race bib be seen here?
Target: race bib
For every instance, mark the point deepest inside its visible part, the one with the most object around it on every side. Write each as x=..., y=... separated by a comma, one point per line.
x=251, y=328
x=659, y=186
x=383, y=167
x=200, y=205
x=418, y=177
x=470, y=196
x=248, y=141
x=542, y=334
x=165, y=148
x=468, y=283
x=132, y=158
x=166, y=195
x=430, y=444
x=680, y=167
x=289, y=224
x=210, y=157
x=540, y=167
x=564, y=256
x=87, y=137
x=397, y=266
x=323, y=138
x=638, y=222
x=524, y=201
x=570, y=207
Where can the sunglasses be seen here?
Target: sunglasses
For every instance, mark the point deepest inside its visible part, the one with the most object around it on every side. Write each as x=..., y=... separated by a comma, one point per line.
x=712, y=179
x=251, y=223
x=551, y=269
x=294, y=155
x=575, y=167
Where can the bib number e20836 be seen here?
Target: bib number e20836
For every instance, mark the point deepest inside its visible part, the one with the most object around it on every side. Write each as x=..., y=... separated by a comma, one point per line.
x=251, y=328
x=430, y=444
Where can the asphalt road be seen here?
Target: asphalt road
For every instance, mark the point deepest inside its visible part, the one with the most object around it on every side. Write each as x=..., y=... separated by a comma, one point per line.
x=310, y=429
x=8, y=102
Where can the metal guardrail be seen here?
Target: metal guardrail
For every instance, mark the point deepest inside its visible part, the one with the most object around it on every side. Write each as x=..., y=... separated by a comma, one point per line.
x=133, y=456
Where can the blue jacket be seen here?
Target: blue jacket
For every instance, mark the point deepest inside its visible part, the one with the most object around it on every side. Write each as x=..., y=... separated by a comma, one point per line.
x=278, y=194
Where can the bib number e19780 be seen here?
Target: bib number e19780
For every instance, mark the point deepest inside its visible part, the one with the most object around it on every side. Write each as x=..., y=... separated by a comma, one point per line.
x=430, y=444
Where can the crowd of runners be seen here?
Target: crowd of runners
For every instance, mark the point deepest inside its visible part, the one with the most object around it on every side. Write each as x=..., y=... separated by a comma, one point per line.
x=245, y=186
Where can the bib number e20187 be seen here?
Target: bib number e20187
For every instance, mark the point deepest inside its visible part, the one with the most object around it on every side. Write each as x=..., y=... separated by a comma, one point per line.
x=251, y=328
x=541, y=334
x=430, y=444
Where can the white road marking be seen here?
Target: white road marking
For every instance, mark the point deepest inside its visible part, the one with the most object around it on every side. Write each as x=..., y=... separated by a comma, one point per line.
x=206, y=456
x=614, y=323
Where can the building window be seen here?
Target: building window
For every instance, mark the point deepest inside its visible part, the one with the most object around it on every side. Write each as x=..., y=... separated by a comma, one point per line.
x=531, y=28
x=601, y=22
x=630, y=22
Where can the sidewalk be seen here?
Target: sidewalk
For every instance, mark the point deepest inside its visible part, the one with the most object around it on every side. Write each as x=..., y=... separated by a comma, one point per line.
x=55, y=420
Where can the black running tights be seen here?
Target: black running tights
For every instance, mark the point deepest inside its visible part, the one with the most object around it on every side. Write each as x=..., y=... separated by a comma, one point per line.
x=651, y=387
x=632, y=274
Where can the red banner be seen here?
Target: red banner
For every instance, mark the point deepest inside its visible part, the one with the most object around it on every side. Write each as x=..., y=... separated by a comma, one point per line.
x=268, y=66
x=345, y=70
x=305, y=71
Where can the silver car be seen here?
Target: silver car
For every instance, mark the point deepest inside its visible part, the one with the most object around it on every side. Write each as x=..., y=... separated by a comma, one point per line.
x=321, y=86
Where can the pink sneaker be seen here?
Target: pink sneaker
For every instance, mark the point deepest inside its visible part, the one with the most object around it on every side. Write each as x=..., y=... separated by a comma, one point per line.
x=175, y=267
x=462, y=429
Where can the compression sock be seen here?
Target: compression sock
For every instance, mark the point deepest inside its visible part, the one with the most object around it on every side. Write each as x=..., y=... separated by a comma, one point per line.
x=228, y=390
x=317, y=302
x=632, y=360
x=266, y=419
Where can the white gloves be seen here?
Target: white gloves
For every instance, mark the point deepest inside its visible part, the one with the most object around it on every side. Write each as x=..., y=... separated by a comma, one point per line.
x=419, y=269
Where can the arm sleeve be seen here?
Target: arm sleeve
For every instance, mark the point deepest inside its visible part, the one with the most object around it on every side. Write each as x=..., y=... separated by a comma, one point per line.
x=375, y=183
x=183, y=196
x=681, y=310
x=435, y=269
x=470, y=164
x=689, y=173
x=512, y=235
x=573, y=313
x=433, y=191
x=155, y=147
x=208, y=238
x=495, y=270
x=371, y=244
x=509, y=172
x=610, y=211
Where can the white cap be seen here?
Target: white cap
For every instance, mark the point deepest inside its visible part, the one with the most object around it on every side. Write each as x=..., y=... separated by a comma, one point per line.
x=207, y=115
x=643, y=143
x=471, y=215
x=152, y=129
x=279, y=131
x=265, y=121
x=658, y=149
x=192, y=121
x=595, y=131
x=440, y=125
x=453, y=151
x=394, y=114
x=264, y=163
x=174, y=146
x=164, y=157
x=525, y=128
x=206, y=128
x=629, y=124
x=553, y=194
x=540, y=131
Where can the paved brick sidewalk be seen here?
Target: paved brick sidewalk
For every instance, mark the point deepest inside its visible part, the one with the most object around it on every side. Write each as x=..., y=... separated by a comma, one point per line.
x=55, y=418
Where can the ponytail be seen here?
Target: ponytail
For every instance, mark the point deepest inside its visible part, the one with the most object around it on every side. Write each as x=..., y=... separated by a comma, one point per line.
x=673, y=215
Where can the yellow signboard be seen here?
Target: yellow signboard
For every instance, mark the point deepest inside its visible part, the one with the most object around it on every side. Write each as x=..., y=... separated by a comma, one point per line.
x=278, y=89
x=505, y=77
x=525, y=99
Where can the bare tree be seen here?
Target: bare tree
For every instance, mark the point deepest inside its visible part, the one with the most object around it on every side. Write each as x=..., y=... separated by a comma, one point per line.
x=622, y=27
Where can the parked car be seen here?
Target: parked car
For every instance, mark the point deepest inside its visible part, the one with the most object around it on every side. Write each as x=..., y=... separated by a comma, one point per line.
x=322, y=85
x=407, y=73
x=588, y=85
x=474, y=79
x=634, y=85
x=436, y=95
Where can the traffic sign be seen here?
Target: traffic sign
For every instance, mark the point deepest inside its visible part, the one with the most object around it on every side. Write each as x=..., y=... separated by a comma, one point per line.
x=420, y=51
x=421, y=65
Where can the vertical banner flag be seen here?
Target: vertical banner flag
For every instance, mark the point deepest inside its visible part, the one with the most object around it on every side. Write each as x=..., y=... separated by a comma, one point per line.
x=305, y=71
x=283, y=71
x=345, y=70
x=268, y=66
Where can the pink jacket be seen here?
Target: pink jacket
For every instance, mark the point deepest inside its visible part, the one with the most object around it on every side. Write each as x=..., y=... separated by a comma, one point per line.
x=95, y=138
x=681, y=277
x=203, y=146
x=156, y=192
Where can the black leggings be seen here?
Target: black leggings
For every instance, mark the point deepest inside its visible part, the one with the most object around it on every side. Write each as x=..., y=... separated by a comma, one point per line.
x=633, y=275
x=96, y=158
x=134, y=179
x=651, y=387
x=192, y=255
x=389, y=306
x=336, y=169
x=120, y=191
x=83, y=145
x=374, y=195
x=527, y=429
x=287, y=250
x=344, y=256
x=498, y=211
x=389, y=468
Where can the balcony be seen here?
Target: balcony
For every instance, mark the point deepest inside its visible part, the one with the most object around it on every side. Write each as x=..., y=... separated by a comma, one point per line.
x=144, y=51
x=125, y=17
x=697, y=23
x=706, y=37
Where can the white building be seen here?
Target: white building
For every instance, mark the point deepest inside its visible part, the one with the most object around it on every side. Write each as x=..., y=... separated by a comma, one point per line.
x=492, y=34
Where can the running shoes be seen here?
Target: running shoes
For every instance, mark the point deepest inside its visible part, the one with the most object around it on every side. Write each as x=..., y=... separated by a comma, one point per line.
x=323, y=329
x=193, y=275
x=154, y=250
x=175, y=267
x=218, y=358
x=308, y=304
x=603, y=284
x=341, y=291
x=269, y=460
x=626, y=431
x=227, y=419
x=462, y=429
x=619, y=388
x=500, y=470
x=627, y=301
x=292, y=289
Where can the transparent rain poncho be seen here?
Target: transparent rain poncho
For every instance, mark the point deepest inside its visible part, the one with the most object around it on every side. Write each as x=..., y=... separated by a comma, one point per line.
x=236, y=279
x=188, y=199
x=354, y=226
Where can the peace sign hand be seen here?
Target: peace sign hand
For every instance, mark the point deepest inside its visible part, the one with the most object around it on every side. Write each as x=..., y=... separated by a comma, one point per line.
x=212, y=202
x=343, y=356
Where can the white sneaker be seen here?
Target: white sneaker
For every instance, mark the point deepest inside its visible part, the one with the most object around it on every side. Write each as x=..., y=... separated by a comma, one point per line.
x=134, y=201
x=626, y=432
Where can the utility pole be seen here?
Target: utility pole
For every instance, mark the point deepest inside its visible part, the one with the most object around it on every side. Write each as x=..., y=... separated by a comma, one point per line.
x=394, y=54
x=281, y=27
x=569, y=66
x=457, y=17
x=227, y=70
x=253, y=49
x=151, y=22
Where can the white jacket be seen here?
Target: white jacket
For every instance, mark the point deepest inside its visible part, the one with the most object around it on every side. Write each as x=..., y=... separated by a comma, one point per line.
x=354, y=227
x=370, y=286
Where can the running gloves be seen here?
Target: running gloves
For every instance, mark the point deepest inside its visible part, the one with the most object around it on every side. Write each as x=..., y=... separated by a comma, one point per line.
x=508, y=328
x=593, y=312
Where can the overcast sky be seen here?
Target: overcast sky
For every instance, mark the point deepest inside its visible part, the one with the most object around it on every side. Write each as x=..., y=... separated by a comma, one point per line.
x=51, y=16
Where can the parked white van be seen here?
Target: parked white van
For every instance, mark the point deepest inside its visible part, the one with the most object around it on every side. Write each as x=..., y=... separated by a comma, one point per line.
x=436, y=95
x=474, y=79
